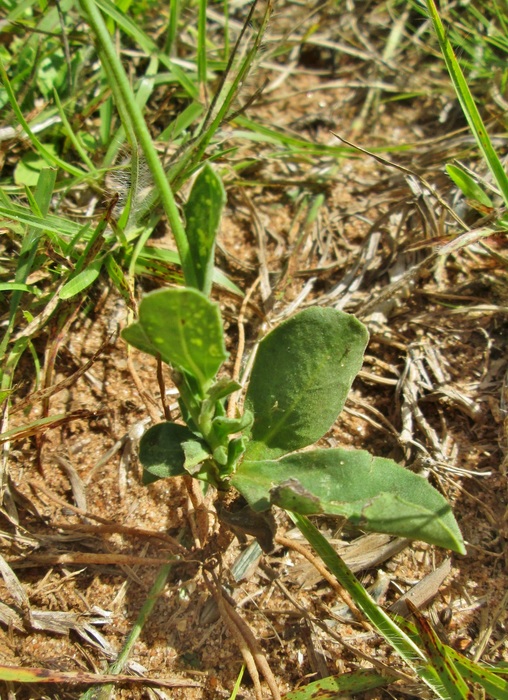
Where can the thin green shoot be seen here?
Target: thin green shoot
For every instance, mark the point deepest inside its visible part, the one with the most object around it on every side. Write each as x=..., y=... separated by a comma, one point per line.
x=202, y=45
x=218, y=109
x=27, y=253
x=172, y=33
x=49, y=157
x=106, y=692
x=238, y=684
x=74, y=138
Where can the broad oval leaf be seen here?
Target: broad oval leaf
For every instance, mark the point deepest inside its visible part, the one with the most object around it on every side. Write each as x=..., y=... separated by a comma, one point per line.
x=374, y=493
x=169, y=449
x=301, y=377
x=184, y=328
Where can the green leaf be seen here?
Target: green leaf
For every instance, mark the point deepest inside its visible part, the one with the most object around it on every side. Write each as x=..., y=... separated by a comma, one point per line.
x=372, y=492
x=51, y=72
x=301, y=377
x=168, y=449
x=203, y=214
x=451, y=679
x=29, y=167
x=342, y=685
x=196, y=452
x=236, y=448
x=223, y=387
x=81, y=281
x=15, y=286
x=468, y=186
x=184, y=328
x=223, y=426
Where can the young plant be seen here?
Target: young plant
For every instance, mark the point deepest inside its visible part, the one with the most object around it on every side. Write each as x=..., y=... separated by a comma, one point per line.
x=300, y=380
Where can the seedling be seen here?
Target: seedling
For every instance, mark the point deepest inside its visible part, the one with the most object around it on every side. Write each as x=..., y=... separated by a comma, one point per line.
x=300, y=380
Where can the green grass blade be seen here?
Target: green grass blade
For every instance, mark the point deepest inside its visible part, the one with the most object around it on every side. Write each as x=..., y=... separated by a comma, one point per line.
x=450, y=677
x=92, y=249
x=211, y=125
x=10, y=364
x=29, y=246
x=182, y=122
x=238, y=684
x=216, y=115
x=106, y=119
x=106, y=691
x=119, y=278
x=174, y=17
x=397, y=638
x=185, y=80
x=127, y=25
x=132, y=30
x=19, y=287
x=73, y=137
x=468, y=104
x=488, y=677
x=202, y=63
x=468, y=186
x=50, y=222
x=145, y=89
x=34, y=205
x=36, y=426
x=49, y=157
x=258, y=132
x=84, y=279
x=338, y=686
x=490, y=681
